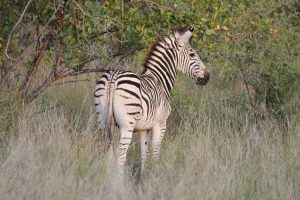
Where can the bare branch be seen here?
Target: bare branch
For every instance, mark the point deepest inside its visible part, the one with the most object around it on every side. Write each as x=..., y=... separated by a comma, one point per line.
x=33, y=67
x=84, y=62
x=54, y=75
x=72, y=81
x=39, y=89
x=51, y=78
x=126, y=52
x=56, y=67
x=53, y=15
x=122, y=18
x=248, y=91
x=10, y=34
x=104, y=32
x=84, y=71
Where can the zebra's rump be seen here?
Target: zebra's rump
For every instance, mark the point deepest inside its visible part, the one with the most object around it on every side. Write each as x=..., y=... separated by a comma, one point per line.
x=122, y=91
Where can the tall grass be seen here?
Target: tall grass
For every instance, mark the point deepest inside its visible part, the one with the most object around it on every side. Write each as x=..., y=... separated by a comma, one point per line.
x=213, y=149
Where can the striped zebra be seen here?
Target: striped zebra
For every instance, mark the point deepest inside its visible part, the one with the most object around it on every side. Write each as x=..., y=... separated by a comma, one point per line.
x=141, y=102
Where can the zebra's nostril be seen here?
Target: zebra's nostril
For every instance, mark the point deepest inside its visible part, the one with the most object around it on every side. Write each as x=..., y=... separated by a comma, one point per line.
x=204, y=80
x=207, y=77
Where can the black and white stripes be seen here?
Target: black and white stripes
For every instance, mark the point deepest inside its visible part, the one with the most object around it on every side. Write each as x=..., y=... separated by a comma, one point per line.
x=141, y=102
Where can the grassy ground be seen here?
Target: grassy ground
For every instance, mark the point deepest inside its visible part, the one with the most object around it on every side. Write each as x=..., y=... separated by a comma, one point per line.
x=213, y=149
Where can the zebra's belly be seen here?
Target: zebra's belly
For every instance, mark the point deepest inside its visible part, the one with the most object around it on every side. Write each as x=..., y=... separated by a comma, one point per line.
x=147, y=122
x=142, y=125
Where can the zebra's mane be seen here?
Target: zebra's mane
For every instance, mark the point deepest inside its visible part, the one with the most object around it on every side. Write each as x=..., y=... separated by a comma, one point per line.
x=153, y=47
x=160, y=39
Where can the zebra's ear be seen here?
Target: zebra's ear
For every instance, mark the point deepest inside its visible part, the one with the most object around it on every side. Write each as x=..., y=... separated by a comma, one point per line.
x=183, y=36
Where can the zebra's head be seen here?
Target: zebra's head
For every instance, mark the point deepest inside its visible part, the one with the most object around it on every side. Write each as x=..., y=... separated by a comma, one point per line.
x=189, y=61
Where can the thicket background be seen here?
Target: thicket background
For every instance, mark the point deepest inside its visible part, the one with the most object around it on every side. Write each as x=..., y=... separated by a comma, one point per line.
x=236, y=138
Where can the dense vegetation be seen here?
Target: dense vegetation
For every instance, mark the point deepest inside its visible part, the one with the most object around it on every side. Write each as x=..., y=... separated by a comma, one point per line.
x=236, y=138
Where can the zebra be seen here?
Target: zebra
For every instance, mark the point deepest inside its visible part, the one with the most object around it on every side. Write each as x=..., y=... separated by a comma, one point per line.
x=141, y=102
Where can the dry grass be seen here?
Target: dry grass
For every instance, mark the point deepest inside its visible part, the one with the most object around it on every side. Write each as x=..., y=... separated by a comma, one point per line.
x=211, y=151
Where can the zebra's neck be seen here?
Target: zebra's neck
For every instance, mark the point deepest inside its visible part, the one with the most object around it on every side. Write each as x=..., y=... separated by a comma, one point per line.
x=161, y=63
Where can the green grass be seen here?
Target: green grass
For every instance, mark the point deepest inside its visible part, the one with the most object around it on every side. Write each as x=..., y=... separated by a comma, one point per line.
x=213, y=149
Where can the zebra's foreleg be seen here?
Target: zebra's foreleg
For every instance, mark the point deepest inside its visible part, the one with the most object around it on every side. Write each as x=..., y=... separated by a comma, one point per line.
x=144, y=148
x=125, y=140
x=157, y=136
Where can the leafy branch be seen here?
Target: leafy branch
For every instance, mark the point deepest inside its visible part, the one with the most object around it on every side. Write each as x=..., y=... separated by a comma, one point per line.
x=14, y=28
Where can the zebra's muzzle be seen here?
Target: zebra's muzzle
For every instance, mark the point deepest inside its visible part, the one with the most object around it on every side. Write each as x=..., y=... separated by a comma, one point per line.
x=204, y=80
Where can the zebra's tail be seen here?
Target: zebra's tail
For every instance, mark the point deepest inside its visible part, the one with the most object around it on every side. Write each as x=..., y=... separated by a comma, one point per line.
x=109, y=120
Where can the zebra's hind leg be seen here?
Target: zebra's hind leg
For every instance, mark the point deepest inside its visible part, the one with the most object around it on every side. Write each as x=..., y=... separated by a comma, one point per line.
x=144, y=148
x=125, y=140
x=157, y=136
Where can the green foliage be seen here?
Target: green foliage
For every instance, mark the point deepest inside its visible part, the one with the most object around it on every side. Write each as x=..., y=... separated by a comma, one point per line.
x=256, y=39
x=266, y=51
x=134, y=24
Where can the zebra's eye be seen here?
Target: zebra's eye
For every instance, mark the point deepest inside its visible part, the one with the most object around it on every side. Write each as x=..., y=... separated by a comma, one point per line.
x=192, y=55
